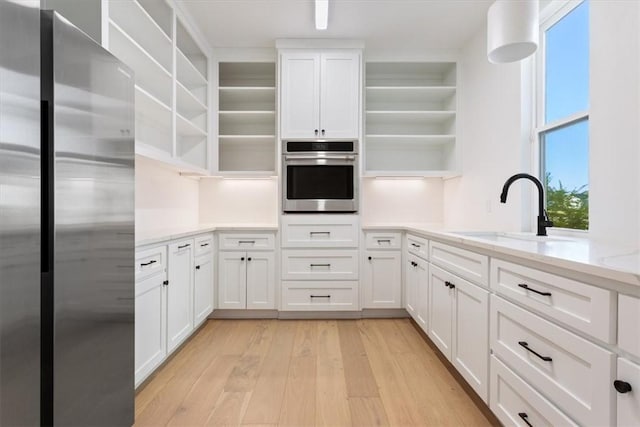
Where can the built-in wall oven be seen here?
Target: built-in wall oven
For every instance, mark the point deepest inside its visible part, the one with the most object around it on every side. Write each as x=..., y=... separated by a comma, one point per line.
x=320, y=176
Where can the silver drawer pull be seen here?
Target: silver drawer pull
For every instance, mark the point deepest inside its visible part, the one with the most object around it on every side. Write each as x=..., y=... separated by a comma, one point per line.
x=248, y=242
x=320, y=296
x=320, y=265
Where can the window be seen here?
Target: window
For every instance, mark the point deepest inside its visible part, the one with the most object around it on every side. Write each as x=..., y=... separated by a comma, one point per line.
x=563, y=115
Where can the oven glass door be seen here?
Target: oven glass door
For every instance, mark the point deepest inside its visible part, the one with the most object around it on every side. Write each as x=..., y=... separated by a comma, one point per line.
x=320, y=182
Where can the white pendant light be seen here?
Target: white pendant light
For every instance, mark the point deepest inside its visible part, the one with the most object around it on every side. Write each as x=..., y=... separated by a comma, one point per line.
x=512, y=30
x=322, y=14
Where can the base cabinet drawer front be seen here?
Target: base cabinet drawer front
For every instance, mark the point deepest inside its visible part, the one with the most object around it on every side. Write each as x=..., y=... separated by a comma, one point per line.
x=204, y=244
x=515, y=403
x=418, y=246
x=466, y=264
x=246, y=241
x=320, y=296
x=628, y=324
x=383, y=240
x=150, y=325
x=586, y=308
x=382, y=279
x=150, y=262
x=574, y=373
x=315, y=231
x=320, y=265
x=628, y=402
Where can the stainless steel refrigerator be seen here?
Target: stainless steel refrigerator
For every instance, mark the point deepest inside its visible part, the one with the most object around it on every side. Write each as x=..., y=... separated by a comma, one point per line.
x=66, y=225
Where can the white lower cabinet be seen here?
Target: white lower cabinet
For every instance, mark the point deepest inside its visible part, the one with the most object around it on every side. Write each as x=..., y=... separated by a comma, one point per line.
x=150, y=318
x=628, y=321
x=514, y=402
x=246, y=280
x=459, y=326
x=573, y=373
x=382, y=279
x=627, y=386
x=203, y=288
x=417, y=290
x=180, y=293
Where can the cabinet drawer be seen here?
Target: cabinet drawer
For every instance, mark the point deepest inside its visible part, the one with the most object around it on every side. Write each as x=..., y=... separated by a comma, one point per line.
x=514, y=402
x=574, y=373
x=204, y=244
x=418, y=246
x=584, y=307
x=628, y=321
x=383, y=240
x=150, y=262
x=246, y=241
x=466, y=264
x=320, y=265
x=628, y=403
x=320, y=296
x=339, y=231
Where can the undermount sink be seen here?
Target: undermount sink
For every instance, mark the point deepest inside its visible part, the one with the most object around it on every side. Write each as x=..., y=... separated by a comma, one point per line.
x=499, y=236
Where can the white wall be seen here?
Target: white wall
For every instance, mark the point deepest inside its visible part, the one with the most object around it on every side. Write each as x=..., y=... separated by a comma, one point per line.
x=397, y=201
x=614, y=122
x=238, y=201
x=164, y=199
x=493, y=134
x=84, y=14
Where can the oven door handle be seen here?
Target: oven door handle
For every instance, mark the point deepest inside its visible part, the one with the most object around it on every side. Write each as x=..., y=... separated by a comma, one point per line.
x=316, y=158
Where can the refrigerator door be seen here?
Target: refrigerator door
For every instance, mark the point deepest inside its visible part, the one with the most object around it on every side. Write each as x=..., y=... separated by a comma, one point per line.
x=93, y=213
x=19, y=213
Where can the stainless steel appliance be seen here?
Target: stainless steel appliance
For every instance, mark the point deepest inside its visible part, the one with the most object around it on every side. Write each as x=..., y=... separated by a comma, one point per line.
x=320, y=176
x=66, y=225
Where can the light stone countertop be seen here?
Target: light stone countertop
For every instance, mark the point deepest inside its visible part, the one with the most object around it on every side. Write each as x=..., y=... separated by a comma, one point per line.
x=165, y=234
x=580, y=255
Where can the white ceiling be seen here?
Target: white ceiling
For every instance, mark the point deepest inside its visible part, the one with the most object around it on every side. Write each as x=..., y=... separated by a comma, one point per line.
x=382, y=24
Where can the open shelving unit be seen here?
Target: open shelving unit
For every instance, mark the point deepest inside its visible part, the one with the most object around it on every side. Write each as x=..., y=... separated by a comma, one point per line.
x=171, y=99
x=247, y=118
x=410, y=119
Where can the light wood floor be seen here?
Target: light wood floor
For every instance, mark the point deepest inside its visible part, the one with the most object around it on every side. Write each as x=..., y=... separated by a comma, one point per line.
x=305, y=373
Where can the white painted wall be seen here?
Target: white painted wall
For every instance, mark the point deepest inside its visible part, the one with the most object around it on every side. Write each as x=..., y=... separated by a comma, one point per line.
x=398, y=201
x=238, y=201
x=614, y=122
x=492, y=129
x=164, y=199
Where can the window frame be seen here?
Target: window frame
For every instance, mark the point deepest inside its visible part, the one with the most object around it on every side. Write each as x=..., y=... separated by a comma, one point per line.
x=549, y=16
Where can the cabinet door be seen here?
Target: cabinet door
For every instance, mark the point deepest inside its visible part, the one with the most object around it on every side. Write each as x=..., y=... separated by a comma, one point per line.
x=150, y=326
x=382, y=279
x=422, y=294
x=232, y=279
x=300, y=103
x=628, y=402
x=180, y=293
x=440, y=309
x=410, y=286
x=340, y=94
x=470, y=348
x=203, y=288
x=261, y=280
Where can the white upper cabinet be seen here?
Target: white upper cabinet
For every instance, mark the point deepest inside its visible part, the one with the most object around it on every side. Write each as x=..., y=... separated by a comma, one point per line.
x=320, y=94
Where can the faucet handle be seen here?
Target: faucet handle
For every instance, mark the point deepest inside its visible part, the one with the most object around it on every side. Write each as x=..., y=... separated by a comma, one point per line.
x=547, y=221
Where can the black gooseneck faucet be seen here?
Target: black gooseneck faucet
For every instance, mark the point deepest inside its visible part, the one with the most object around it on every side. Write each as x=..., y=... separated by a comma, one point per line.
x=543, y=219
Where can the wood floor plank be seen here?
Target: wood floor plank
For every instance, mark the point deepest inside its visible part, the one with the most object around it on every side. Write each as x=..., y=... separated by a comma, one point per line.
x=306, y=341
x=395, y=394
x=229, y=409
x=299, y=404
x=332, y=405
x=367, y=412
x=268, y=393
x=358, y=375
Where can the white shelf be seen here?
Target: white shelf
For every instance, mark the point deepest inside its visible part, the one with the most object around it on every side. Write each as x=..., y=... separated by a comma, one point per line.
x=150, y=74
x=248, y=137
x=134, y=20
x=184, y=127
x=188, y=74
x=422, y=98
x=411, y=173
x=411, y=139
x=256, y=98
x=187, y=103
x=430, y=116
x=151, y=107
